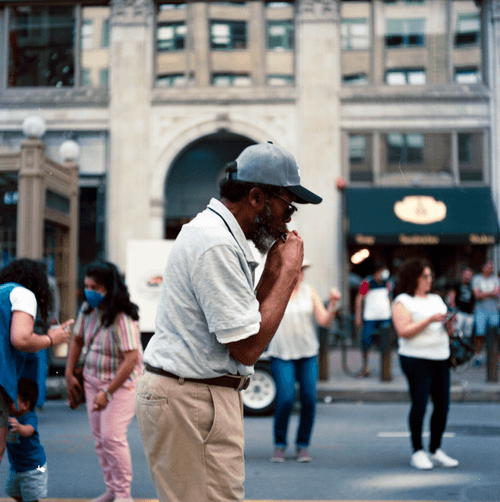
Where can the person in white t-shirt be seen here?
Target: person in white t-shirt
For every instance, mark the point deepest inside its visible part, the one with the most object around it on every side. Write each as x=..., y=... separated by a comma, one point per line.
x=486, y=289
x=420, y=320
x=293, y=351
x=24, y=290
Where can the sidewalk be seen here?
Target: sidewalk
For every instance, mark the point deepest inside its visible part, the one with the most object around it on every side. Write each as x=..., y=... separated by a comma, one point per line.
x=467, y=384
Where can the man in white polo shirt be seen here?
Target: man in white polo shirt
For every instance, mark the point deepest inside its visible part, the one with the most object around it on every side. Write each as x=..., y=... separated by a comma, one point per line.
x=212, y=325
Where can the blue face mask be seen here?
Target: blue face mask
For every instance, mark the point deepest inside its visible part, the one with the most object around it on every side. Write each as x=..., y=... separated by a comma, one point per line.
x=94, y=299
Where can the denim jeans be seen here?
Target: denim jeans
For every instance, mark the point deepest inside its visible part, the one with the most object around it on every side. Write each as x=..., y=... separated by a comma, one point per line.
x=286, y=373
x=427, y=378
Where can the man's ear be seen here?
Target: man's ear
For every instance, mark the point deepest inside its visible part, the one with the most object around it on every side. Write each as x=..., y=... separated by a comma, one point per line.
x=257, y=198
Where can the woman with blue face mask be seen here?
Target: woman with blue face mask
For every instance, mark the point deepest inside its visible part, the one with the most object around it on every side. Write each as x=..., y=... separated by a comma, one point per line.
x=107, y=326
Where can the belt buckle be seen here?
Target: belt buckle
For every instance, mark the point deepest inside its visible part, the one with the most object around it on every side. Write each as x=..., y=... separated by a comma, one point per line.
x=244, y=383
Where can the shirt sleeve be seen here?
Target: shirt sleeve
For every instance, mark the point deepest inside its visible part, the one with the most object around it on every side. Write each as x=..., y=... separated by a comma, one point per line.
x=225, y=295
x=127, y=333
x=24, y=300
x=364, y=288
x=30, y=419
x=403, y=299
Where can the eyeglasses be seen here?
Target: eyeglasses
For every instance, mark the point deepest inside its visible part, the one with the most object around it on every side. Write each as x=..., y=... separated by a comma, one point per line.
x=427, y=276
x=291, y=208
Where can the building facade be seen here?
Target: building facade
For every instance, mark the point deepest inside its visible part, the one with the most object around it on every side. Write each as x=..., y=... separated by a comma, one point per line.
x=384, y=94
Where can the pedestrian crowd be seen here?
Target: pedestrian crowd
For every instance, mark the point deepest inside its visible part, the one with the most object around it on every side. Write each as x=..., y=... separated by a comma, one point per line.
x=212, y=324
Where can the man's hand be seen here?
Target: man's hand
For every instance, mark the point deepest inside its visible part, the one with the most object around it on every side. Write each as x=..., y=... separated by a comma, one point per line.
x=286, y=255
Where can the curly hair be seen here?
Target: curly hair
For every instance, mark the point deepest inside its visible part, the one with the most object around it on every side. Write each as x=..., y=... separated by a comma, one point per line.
x=409, y=272
x=27, y=390
x=31, y=275
x=117, y=299
x=234, y=190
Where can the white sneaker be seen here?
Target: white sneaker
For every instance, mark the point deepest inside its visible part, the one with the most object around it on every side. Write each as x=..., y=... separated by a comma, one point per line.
x=441, y=459
x=420, y=460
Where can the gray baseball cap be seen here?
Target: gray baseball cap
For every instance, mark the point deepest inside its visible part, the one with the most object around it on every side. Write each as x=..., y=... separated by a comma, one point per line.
x=272, y=165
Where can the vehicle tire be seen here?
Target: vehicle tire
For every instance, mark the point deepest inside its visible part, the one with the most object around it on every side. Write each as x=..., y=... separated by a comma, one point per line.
x=260, y=396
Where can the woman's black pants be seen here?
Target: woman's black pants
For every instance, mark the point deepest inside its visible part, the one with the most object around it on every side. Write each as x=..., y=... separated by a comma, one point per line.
x=426, y=378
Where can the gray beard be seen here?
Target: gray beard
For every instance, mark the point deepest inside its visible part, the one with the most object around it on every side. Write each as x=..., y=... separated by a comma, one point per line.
x=264, y=234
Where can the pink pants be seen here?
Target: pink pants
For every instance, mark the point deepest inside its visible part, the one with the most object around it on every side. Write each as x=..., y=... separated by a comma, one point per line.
x=109, y=428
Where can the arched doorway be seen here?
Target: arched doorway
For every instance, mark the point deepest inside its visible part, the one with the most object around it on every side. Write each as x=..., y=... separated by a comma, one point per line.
x=193, y=179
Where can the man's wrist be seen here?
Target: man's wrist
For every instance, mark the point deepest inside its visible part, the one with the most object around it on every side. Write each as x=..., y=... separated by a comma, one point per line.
x=108, y=395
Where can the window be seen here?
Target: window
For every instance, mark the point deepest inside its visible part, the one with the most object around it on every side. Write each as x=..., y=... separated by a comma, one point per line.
x=470, y=156
x=171, y=80
x=280, y=35
x=279, y=80
x=464, y=148
x=104, y=77
x=228, y=35
x=279, y=5
x=172, y=6
x=354, y=33
x=105, y=33
x=87, y=34
x=41, y=51
x=405, y=148
x=42, y=44
x=360, y=157
x=403, y=33
x=86, y=80
x=170, y=36
x=468, y=30
x=405, y=76
x=231, y=79
x=467, y=75
x=355, y=79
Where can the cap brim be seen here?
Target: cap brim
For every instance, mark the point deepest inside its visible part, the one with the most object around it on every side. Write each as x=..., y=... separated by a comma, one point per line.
x=304, y=196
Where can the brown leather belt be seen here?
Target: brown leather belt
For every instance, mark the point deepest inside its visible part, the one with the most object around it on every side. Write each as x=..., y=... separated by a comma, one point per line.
x=232, y=381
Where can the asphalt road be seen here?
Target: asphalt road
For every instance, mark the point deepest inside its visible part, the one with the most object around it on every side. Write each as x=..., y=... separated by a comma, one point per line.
x=360, y=451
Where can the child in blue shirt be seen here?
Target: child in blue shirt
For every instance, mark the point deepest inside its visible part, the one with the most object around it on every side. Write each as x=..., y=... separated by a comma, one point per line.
x=28, y=477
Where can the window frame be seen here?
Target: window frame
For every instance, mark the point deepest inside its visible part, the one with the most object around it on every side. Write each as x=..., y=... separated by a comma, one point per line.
x=464, y=17
x=78, y=10
x=406, y=72
x=175, y=25
x=405, y=149
x=232, y=77
x=288, y=37
x=345, y=38
x=6, y=20
x=233, y=38
x=406, y=33
x=467, y=70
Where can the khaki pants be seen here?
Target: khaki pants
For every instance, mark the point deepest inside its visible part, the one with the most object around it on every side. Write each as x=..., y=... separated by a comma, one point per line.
x=193, y=439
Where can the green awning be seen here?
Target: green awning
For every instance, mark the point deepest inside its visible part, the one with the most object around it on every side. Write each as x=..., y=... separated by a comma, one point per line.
x=421, y=216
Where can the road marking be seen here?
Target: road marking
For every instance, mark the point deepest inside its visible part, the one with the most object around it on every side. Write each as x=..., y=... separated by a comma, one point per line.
x=407, y=434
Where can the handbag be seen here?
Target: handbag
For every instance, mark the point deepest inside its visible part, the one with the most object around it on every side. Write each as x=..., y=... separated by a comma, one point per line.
x=73, y=404
x=78, y=374
x=461, y=350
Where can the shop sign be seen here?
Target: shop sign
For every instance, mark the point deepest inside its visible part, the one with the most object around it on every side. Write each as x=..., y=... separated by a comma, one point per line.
x=481, y=239
x=420, y=209
x=419, y=239
x=367, y=240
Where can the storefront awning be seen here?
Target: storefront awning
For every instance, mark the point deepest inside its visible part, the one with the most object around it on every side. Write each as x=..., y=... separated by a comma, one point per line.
x=421, y=216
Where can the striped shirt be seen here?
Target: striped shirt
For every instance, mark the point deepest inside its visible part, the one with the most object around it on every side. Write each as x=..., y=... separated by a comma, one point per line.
x=105, y=345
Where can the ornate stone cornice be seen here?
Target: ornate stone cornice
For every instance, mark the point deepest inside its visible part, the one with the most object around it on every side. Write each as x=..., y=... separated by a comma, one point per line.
x=319, y=11
x=131, y=12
